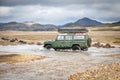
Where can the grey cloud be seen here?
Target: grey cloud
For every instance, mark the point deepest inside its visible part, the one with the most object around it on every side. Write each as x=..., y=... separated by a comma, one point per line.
x=47, y=11
x=110, y=19
x=54, y=2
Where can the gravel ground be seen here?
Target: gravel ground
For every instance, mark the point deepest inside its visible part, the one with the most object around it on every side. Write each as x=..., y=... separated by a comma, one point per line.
x=103, y=72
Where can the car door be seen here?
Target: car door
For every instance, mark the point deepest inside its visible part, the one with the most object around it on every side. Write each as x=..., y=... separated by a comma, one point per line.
x=68, y=41
x=59, y=42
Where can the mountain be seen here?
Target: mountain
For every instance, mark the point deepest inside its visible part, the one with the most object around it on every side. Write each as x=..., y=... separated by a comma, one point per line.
x=27, y=26
x=88, y=22
x=83, y=22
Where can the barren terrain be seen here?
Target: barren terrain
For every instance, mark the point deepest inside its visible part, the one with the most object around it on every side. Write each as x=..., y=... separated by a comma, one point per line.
x=22, y=57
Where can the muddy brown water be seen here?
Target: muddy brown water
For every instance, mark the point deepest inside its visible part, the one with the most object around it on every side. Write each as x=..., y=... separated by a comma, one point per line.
x=59, y=64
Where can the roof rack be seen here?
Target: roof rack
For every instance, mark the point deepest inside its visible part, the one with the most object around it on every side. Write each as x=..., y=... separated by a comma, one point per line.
x=73, y=30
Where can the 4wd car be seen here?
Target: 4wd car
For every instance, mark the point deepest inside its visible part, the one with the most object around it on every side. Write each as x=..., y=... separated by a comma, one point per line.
x=70, y=41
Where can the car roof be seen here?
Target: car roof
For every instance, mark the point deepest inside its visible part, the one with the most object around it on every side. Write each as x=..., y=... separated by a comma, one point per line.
x=65, y=34
x=73, y=30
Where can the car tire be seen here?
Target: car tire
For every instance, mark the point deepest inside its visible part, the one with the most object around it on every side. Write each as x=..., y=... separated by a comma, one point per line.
x=76, y=47
x=48, y=46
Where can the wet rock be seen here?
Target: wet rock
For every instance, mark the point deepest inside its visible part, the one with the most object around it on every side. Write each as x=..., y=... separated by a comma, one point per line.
x=99, y=45
x=107, y=46
x=39, y=43
x=3, y=38
x=12, y=40
x=15, y=39
x=23, y=42
x=30, y=43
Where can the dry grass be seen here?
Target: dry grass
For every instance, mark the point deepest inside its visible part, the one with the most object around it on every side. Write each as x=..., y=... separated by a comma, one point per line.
x=20, y=57
x=112, y=37
x=32, y=36
x=104, y=72
x=105, y=36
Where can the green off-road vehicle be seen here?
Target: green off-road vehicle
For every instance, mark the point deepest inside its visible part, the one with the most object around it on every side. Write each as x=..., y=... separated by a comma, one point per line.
x=71, y=39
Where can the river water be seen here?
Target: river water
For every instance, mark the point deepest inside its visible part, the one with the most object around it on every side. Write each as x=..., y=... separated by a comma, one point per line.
x=58, y=66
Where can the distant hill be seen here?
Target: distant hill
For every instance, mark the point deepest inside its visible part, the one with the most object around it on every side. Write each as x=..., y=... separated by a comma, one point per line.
x=72, y=25
x=116, y=23
x=33, y=26
x=27, y=26
x=112, y=24
x=86, y=22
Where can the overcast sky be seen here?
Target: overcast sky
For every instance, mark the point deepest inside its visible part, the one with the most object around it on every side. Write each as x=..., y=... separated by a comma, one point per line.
x=59, y=11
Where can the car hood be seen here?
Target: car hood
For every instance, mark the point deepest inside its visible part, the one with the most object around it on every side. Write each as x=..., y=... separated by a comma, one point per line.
x=49, y=41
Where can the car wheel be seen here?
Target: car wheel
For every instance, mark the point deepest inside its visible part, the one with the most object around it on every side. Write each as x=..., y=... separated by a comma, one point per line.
x=48, y=46
x=76, y=47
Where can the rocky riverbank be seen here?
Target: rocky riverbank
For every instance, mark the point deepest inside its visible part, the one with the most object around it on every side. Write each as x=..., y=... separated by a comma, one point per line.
x=101, y=45
x=104, y=72
x=15, y=41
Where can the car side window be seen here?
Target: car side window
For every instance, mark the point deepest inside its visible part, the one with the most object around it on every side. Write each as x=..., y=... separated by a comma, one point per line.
x=79, y=37
x=60, y=37
x=68, y=37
